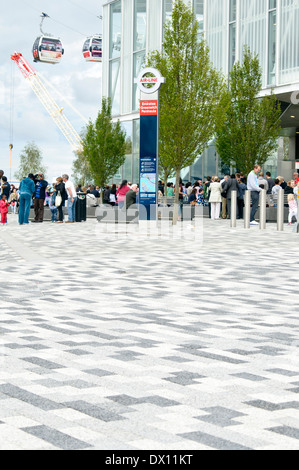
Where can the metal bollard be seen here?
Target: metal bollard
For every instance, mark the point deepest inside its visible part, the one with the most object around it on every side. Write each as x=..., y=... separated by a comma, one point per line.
x=233, y=210
x=280, y=211
x=263, y=209
x=247, y=209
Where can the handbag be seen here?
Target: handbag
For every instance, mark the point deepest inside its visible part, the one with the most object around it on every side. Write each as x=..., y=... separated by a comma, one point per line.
x=58, y=199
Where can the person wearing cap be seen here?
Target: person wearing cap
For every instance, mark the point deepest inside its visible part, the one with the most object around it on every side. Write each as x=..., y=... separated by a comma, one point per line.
x=26, y=191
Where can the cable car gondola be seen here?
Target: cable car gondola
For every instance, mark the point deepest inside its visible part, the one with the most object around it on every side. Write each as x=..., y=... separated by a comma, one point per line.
x=92, y=49
x=47, y=48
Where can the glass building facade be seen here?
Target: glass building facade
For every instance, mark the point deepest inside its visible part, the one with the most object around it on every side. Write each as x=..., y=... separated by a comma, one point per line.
x=132, y=28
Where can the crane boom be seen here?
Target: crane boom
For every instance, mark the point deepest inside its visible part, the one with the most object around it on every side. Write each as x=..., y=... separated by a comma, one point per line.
x=38, y=86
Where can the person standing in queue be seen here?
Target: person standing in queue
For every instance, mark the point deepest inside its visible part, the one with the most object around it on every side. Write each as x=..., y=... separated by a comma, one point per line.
x=253, y=186
x=72, y=199
x=26, y=191
x=39, y=197
x=59, y=188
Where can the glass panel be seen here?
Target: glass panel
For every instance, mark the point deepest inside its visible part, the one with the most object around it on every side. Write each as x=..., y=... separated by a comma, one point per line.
x=127, y=169
x=210, y=162
x=198, y=8
x=216, y=18
x=139, y=61
x=196, y=170
x=272, y=4
x=232, y=10
x=272, y=48
x=114, y=86
x=140, y=25
x=136, y=136
x=253, y=30
x=232, y=45
x=135, y=168
x=289, y=41
x=167, y=10
x=128, y=128
x=115, y=29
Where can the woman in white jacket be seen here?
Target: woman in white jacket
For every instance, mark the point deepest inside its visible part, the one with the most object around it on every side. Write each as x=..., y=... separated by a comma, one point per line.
x=215, y=198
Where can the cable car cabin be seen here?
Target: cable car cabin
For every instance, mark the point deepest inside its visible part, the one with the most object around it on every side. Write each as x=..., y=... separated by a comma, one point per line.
x=92, y=49
x=48, y=50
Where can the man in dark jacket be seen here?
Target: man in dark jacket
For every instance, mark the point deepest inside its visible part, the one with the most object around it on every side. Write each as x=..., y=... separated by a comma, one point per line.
x=39, y=197
x=231, y=185
x=131, y=196
x=5, y=187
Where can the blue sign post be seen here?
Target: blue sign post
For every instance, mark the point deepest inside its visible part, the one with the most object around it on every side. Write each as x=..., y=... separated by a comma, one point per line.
x=149, y=82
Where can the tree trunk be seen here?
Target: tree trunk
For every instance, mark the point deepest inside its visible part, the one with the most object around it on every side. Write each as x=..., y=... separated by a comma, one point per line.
x=101, y=194
x=176, y=198
x=165, y=187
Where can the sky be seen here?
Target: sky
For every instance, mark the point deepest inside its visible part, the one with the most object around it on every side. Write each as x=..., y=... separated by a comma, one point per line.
x=23, y=118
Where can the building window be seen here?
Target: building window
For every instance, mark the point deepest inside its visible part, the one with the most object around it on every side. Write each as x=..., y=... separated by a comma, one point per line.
x=139, y=25
x=139, y=44
x=115, y=29
x=289, y=42
x=114, y=56
x=272, y=43
x=114, y=86
x=167, y=10
x=198, y=8
x=232, y=33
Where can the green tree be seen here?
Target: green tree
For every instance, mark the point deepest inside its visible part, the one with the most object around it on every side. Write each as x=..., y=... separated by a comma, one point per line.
x=252, y=125
x=30, y=161
x=81, y=170
x=104, y=145
x=190, y=108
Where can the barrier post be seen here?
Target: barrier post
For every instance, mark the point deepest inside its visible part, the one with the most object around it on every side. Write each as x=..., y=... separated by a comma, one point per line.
x=233, y=210
x=280, y=211
x=247, y=201
x=263, y=209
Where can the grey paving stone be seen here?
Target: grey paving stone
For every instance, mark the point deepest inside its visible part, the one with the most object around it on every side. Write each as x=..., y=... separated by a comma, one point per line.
x=213, y=441
x=220, y=416
x=31, y=398
x=56, y=438
x=43, y=363
x=252, y=377
x=184, y=378
x=93, y=410
x=286, y=431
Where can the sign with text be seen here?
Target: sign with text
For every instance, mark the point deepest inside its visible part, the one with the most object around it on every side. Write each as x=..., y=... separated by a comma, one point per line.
x=149, y=108
x=148, y=181
x=149, y=82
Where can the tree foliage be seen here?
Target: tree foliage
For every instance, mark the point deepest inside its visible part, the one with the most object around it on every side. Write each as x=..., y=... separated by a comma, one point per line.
x=81, y=171
x=104, y=145
x=30, y=161
x=252, y=125
x=190, y=100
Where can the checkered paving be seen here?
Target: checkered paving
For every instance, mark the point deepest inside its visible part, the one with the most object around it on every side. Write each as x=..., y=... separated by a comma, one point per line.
x=128, y=342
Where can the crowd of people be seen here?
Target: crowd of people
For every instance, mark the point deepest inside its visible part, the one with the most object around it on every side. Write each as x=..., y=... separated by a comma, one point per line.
x=35, y=192
x=215, y=193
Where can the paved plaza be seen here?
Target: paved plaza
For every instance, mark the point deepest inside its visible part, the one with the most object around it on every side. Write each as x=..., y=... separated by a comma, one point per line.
x=144, y=341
